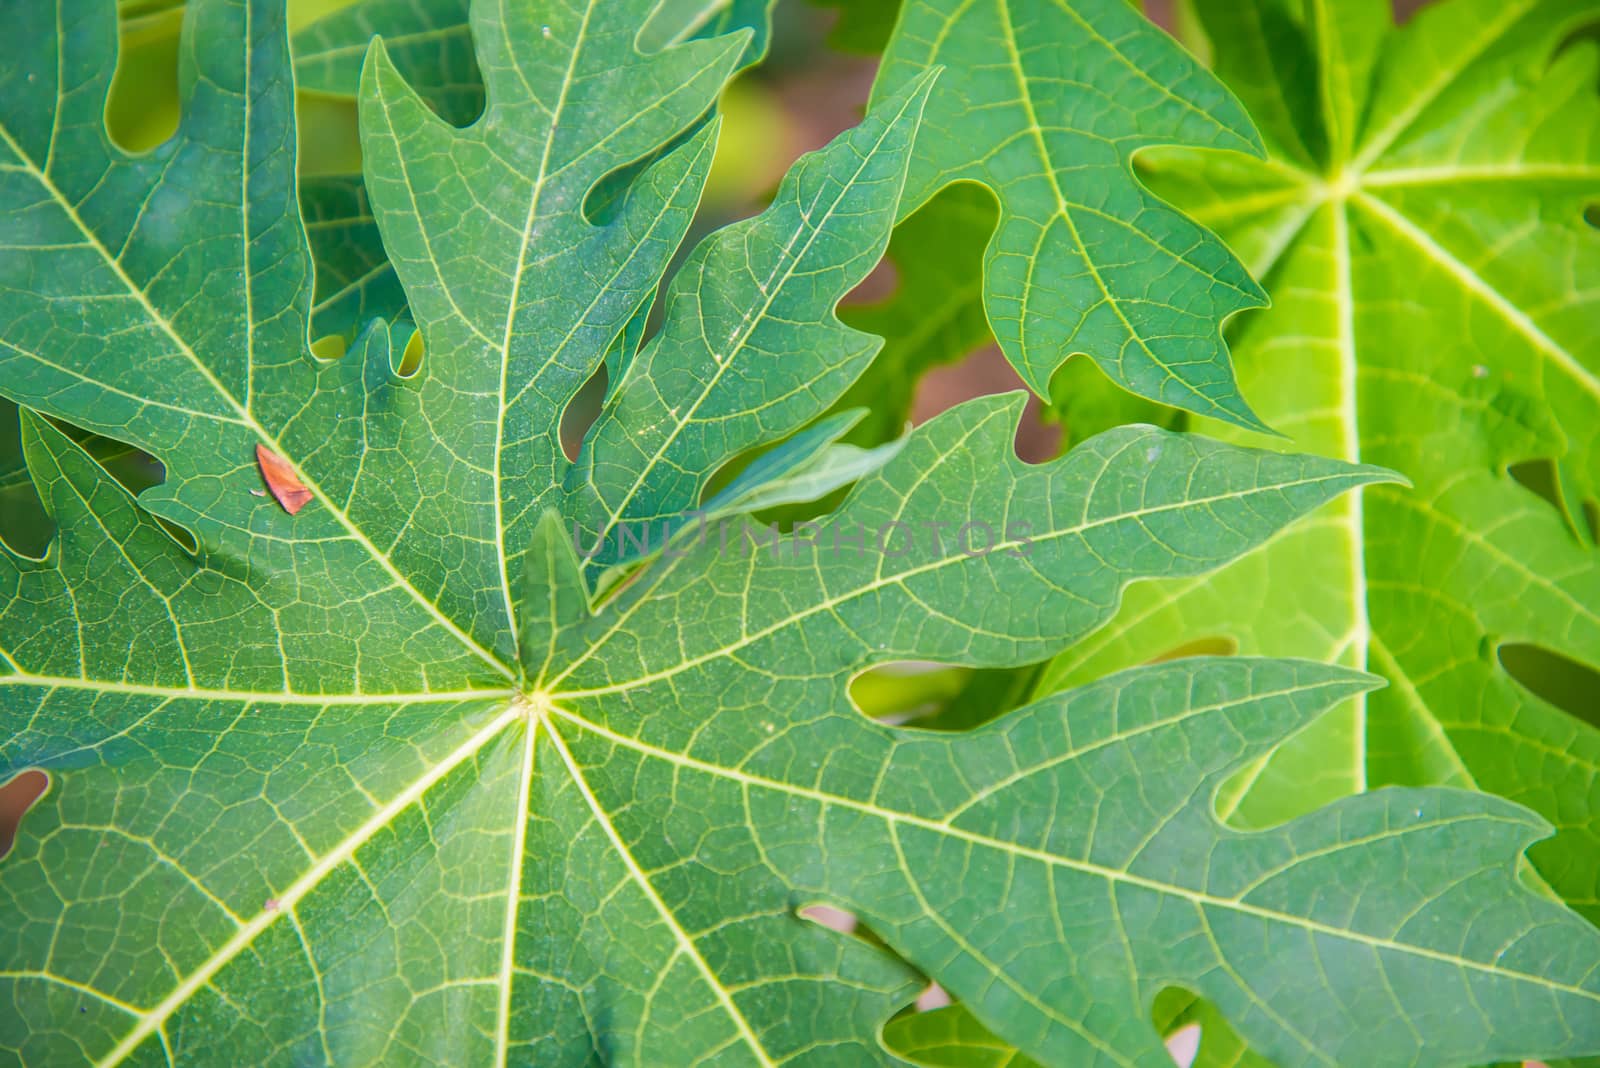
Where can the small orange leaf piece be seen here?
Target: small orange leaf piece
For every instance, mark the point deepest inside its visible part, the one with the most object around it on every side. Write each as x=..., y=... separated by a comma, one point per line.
x=281, y=480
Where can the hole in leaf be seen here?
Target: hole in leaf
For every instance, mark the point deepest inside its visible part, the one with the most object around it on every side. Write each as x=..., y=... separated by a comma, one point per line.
x=136, y=469
x=923, y=695
x=329, y=348
x=1187, y=1024
x=984, y=372
x=581, y=412
x=143, y=108
x=830, y=917
x=958, y=223
x=607, y=197
x=1571, y=686
x=933, y=997
x=877, y=287
x=906, y=690
x=25, y=527
x=1085, y=402
x=1184, y=1045
x=1541, y=477
x=1216, y=645
x=729, y=471
x=1591, y=215
x=16, y=798
x=328, y=134
x=411, y=354
x=181, y=535
x=843, y=922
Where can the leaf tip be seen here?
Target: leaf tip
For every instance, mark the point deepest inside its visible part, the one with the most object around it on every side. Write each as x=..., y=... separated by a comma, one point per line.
x=1373, y=474
x=1235, y=410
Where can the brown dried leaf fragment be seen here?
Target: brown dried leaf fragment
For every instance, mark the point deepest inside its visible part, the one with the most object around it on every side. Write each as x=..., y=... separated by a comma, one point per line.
x=282, y=480
x=17, y=796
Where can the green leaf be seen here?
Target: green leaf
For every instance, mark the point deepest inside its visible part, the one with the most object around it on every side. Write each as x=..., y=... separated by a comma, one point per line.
x=383, y=782
x=806, y=468
x=939, y=314
x=486, y=229
x=932, y=843
x=757, y=294
x=355, y=281
x=1046, y=103
x=431, y=45
x=428, y=42
x=194, y=263
x=1431, y=313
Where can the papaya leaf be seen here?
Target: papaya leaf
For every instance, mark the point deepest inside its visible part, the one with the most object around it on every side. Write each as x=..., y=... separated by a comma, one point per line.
x=382, y=781
x=430, y=44
x=1432, y=313
x=1045, y=103
x=1069, y=201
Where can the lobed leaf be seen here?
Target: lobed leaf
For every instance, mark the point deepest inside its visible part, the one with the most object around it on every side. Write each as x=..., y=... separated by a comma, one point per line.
x=431, y=46
x=749, y=349
x=384, y=781
x=1045, y=103
x=1430, y=314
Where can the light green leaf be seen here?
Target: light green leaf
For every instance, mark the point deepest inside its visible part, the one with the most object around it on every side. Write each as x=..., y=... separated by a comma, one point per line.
x=1045, y=102
x=951, y=1037
x=806, y=468
x=382, y=782
x=1347, y=36
x=1434, y=313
